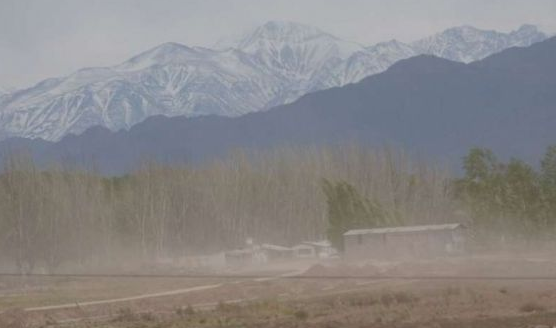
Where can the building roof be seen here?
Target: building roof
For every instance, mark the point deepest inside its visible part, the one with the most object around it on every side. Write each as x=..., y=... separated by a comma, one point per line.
x=237, y=252
x=432, y=227
x=302, y=246
x=275, y=247
x=320, y=243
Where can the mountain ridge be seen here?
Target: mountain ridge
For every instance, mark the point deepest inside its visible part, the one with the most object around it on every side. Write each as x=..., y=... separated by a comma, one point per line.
x=429, y=105
x=172, y=79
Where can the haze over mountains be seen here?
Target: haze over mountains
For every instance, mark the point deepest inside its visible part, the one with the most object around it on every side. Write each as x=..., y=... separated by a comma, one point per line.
x=429, y=105
x=273, y=65
x=5, y=91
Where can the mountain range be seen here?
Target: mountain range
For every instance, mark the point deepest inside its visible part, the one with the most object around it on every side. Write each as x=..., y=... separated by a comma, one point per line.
x=275, y=64
x=429, y=105
x=5, y=91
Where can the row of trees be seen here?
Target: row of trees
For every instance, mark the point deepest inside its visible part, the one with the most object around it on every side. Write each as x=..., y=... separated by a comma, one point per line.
x=510, y=198
x=56, y=217
x=500, y=201
x=348, y=209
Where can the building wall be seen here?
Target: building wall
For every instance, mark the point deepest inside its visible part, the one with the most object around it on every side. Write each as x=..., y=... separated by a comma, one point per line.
x=404, y=245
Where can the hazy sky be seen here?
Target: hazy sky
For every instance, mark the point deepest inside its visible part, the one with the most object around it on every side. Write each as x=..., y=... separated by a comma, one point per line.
x=48, y=38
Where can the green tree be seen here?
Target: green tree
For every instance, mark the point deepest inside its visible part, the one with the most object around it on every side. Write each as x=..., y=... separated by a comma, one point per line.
x=548, y=183
x=347, y=209
x=480, y=165
x=548, y=166
x=507, y=198
x=522, y=198
x=481, y=188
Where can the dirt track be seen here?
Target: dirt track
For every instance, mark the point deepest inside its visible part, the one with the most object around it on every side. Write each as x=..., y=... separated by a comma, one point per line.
x=352, y=302
x=153, y=295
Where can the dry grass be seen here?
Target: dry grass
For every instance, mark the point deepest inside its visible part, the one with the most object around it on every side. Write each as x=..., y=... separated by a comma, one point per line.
x=184, y=312
x=532, y=307
x=14, y=318
x=321, y=303
x=62, y=291
x=410, y=307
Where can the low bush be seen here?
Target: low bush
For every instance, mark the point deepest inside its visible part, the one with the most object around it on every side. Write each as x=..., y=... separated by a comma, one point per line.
x=301, y=315
x=532, y=307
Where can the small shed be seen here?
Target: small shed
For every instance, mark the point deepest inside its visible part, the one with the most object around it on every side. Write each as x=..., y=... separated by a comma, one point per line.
x=245, y=256
x=277, y=252
x=405, y=241
x=323, y=248
x=303, y=251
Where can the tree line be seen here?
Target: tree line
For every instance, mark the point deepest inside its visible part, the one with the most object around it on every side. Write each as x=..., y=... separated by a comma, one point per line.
x=502, y=202
x=512, y=199
x=58, y=217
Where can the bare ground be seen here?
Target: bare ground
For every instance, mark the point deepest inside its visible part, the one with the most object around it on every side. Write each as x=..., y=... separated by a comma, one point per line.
x=314, y=301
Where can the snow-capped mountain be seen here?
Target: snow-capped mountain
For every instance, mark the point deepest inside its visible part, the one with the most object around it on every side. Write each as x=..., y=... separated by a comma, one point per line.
x=298, y=54
x=274, y=64
x=294, y=49
x=171, y=80
x=5, y=90
x=4, y=95
x=467, y=44
x=360, y=64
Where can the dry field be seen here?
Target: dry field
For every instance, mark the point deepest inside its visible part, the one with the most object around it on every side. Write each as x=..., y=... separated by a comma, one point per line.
x=318, y=298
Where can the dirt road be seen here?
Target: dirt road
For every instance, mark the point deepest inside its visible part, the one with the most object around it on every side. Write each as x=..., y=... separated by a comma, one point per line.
x=155, y=295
